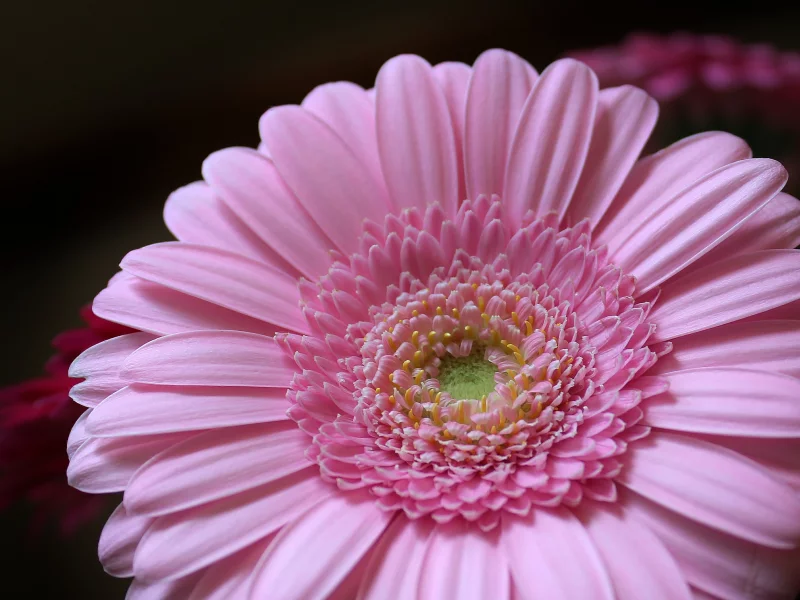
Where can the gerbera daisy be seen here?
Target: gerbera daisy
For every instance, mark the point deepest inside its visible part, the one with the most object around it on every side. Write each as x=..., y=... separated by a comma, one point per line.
x=451, y=338
x=36, y=417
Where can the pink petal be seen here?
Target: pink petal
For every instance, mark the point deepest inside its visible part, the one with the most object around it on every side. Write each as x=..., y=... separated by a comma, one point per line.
x=464, y=562
x=231, y=577
x=500, y=84
x=536, y=546
x=775, y=227
x=727, y=291
x=453, y=78
x=153, y=308
x=698, y=219
x=103, y=465
x=121, y=535
x=635, y=558
x=211, y=358
x=196, y=215
x=175, y=546
x=162, y=590
x=298, y=565
x=228, y=280
x=625, y=117
x=216, y=464
x=714, y=486
x=736, y=402
x=146, y=410
x=656, y=179
x=336, y=189
x=551, y=141
x=78, y=435
x=415, y=135
x=403, y=542
x=723, y=565
x=772, y=346
x=254, y=190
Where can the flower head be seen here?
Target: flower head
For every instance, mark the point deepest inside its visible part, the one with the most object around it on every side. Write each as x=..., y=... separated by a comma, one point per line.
x=452, y=338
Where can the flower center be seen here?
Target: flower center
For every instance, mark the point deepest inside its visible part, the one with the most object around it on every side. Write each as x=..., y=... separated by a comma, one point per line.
x=467, y=377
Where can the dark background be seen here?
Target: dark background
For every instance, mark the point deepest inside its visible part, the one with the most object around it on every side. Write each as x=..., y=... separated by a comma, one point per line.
x=108, y=106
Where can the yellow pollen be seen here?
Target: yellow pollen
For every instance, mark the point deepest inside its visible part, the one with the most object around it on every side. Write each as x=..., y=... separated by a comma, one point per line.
x=419, y=358
x=513, y=348
x=493, y=430
x=474, y=286
x=483, y=403
x=391, y=399
x=502, y=419
x=525, y=381
x=447, y=338
x=407, y=366
x=391, y=329
x=391, y=378
x=409, y=398
x=510, y=372
x=435, y=413
x=431, y=337
x=456, y=313
x=411, y=415
x=425, y=304
x=415, y=313
x=503, y=343
x=468, y=331
x=517, y=297
x=415, y=338
x=520, y=414
x=418, y=377
x=460, y=412
x=481, y=303
x=519, y=358
x=486, y=318
x=447, y=434
x=495, y=337
x=416, y=424
x=437, y=398
x=439, y=311
x=377, y=390
x=515, y=318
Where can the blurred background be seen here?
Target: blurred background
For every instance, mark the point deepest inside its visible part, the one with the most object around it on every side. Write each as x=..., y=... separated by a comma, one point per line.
x=108, y=106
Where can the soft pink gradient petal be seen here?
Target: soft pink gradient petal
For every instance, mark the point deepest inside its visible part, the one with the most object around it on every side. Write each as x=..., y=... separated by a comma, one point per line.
x=656, y=179
x=118, y=541
x=324, y=173
x=453, y=78
x=195, y=214
x=463, y=562
x=229, y=280
x=163, y=590
x=736, y=402
x=636, y=560
x=105, y=465
x=214, y=465
x=718, y=563
x=231, y=577
x=151, y=307
x=100, y=366
x=714, y=486
x=624, y=120
x=537, y=546
x=727, y=291
x=551, y=141
x=175, y=546
x=698, y=219
x=415, y=135
x=254, y=190
x=147, y=410
x=210, y=358
x=500, y=84
x=770, y=346
x=310, y=557
x=404, y=542
x=78, y=435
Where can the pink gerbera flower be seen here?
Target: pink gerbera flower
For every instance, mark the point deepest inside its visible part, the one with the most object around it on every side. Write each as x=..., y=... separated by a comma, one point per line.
x=452, y=339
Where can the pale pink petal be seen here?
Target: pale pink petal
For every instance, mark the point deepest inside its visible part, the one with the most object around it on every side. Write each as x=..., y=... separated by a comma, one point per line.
x=625, y=118
x=775, y=227
x=347, y=109
x=177, y=589
x=156, y=309
x=336, y=189
x=211, y=358
x=223, y=278
x=251, y=186
x=195, y=214
x=453, y=78
x=310, y=557
x=78, y=435
x=175, y=546
x=231, y=577
x=415, y=135
x=636, y=560
x=104, y=465
x=736, y=402
x=500, y=84
x=718, y=563
x=656, y=179
x=121, y=535
x=714, y=486
x=100, y=365
x=403, y=542
x=551, y=141
x=697, y=219
x=727, y=291
x=771, y=346
x=464, y=562
x=536, y=546
x=216, y=464
x=146, y=410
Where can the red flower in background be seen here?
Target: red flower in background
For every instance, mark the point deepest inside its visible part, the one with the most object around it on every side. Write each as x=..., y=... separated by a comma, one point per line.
x=36, y=417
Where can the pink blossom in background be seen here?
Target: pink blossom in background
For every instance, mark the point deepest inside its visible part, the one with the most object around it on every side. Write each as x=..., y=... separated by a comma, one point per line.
x=36, y=417
x=454, y=338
